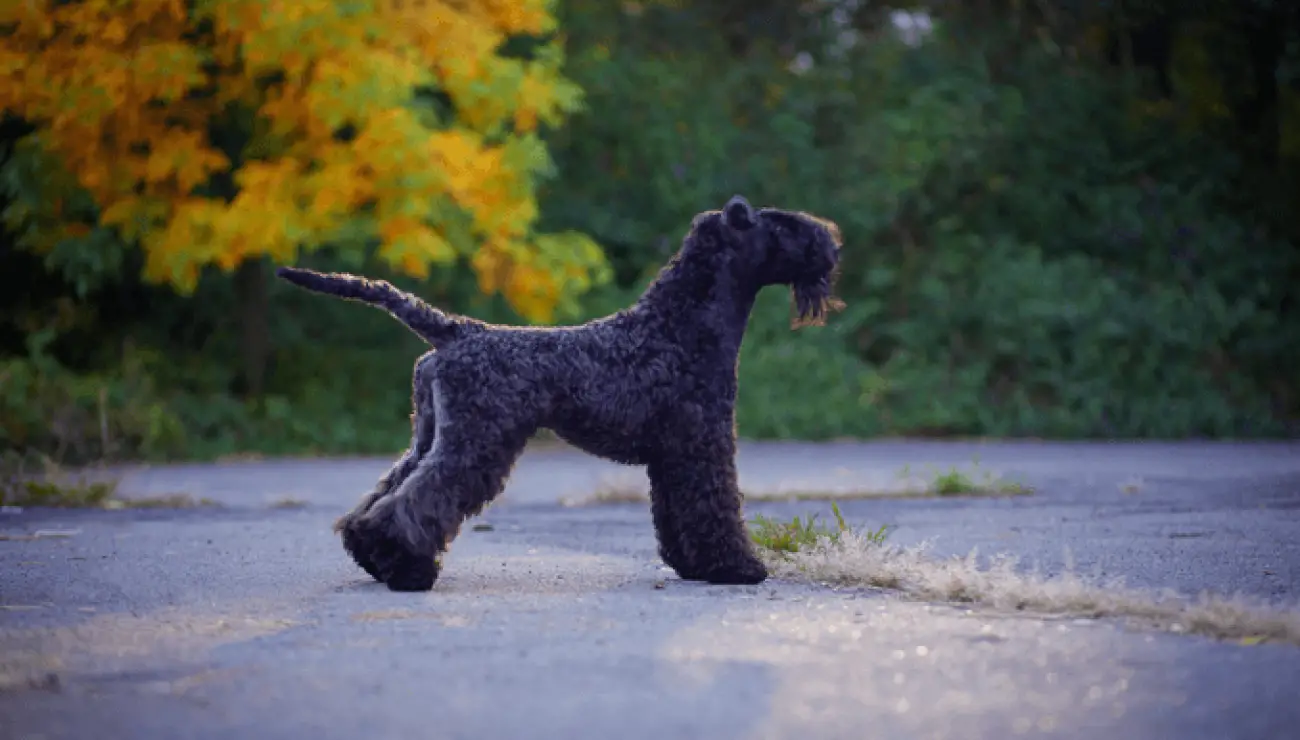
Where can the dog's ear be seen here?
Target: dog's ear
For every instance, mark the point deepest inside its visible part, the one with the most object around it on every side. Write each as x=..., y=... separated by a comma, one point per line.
x=738, y=215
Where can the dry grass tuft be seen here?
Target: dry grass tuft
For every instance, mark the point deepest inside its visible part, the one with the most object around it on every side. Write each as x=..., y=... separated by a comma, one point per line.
x=40, y=482
x=164, y=501
x=631, y=487
x=856, y=559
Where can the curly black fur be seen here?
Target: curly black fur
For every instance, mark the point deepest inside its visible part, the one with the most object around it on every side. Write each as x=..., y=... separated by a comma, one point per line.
x=428, y=323
x=654, y=385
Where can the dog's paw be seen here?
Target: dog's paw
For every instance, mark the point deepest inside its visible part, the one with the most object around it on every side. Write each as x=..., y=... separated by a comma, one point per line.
x=746, y=572
x=684, y=570
x=386, y=558
x=359, y=548
x=412, y=573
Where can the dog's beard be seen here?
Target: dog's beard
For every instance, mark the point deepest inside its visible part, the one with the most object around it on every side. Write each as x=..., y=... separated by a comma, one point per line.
x=812, y=300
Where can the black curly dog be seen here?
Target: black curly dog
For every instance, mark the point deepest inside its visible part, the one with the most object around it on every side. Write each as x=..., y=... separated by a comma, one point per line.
x=654, y=385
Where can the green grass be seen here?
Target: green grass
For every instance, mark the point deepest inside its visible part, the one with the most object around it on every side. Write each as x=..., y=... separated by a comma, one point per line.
x=39, y=482
x=802, y=533
x=632, y=488
x=954, y=482
x=93, y=495
x=165, y=501
x=55, y=494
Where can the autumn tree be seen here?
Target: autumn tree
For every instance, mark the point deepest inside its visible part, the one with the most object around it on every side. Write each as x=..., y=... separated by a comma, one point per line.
x=213, y=132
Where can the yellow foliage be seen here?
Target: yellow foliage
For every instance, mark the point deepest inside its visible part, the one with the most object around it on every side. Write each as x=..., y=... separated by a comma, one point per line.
x=321, y=131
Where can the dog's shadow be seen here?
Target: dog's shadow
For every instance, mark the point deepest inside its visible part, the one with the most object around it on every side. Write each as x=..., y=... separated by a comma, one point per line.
x=649, y=583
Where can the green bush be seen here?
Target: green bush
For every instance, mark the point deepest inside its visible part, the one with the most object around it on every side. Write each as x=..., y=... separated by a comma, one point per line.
x=1025, y=254
x=78, y=418
x=1030, y=249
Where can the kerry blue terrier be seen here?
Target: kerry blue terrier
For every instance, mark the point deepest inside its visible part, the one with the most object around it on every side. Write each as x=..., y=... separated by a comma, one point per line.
x=653, y=384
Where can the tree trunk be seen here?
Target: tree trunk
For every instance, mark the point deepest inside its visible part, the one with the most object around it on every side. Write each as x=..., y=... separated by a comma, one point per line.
x=254, y=327
x=1259, y=113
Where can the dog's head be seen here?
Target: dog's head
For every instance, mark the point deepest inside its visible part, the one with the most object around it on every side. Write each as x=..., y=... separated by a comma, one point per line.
x=778, y=247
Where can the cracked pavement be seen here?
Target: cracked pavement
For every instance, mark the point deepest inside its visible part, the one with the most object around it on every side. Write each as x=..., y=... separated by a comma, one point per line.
x=557, y=622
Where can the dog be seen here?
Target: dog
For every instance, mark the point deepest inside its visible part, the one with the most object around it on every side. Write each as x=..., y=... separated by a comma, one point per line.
x=653, y=384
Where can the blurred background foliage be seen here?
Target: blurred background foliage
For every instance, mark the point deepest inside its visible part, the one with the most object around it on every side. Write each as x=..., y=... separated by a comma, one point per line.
x=1061, y=219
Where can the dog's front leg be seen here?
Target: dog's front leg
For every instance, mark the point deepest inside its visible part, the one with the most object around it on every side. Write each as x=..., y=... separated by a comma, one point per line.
x=667, y=530
x=697, y=512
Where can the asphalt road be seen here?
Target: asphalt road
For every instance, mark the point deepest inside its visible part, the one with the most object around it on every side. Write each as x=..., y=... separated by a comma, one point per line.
x=249, y=622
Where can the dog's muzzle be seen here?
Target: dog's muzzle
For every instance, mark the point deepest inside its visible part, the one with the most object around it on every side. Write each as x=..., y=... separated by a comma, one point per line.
x=813, y=300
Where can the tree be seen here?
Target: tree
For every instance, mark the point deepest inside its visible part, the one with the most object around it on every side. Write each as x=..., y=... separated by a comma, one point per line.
x=215, y=132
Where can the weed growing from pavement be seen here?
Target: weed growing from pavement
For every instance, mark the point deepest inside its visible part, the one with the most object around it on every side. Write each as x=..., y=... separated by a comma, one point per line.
x=801, y=534
x=39, y=482
x=164, y=501
x=954, y=482
x=844, y=556
x=631, y=488
x=805, y=549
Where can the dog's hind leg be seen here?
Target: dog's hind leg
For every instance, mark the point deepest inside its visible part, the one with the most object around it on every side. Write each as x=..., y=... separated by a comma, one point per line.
x=423, y=428
x=701, y=528
x=408, y=531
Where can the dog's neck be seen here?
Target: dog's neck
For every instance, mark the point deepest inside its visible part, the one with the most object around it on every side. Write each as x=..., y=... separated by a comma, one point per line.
x=689, y=299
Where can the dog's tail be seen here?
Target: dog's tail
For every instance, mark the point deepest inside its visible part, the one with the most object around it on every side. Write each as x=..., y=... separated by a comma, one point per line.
x=430, y=324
